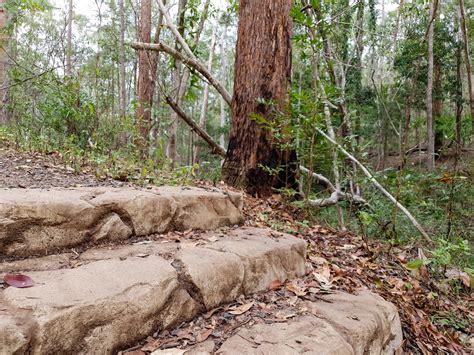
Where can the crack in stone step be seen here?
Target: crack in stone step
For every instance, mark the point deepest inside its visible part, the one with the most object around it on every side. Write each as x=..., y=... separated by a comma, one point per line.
x=187, y=283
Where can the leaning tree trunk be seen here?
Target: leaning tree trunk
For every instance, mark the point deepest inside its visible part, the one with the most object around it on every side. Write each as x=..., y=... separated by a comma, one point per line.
x=255, y=160
x=146, y=78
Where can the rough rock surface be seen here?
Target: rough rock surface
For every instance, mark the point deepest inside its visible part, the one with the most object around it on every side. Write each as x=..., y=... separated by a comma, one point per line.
x=117, y=295
x=339, y=324
x=35, y=222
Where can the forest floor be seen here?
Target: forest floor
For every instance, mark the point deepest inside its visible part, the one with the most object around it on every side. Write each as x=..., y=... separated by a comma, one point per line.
x=435, y=310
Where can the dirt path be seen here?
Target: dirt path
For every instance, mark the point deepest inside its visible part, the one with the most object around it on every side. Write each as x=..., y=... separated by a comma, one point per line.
x=35, y=170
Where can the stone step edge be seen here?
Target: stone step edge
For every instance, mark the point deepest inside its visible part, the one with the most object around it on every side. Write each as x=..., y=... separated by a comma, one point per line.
x=35, y=222
x=107, y=304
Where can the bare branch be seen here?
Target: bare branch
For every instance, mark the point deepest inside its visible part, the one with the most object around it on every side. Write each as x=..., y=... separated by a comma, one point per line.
x=378, y=186
x=216, y=148
x=190, y=62
x=175, y=31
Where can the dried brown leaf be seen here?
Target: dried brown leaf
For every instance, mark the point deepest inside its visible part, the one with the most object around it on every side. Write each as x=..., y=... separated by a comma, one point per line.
x=241, y=309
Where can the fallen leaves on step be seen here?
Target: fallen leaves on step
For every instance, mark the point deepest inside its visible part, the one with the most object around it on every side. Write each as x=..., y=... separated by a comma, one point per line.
x=241, y=309
x=275, y=285
x=204, y=335
x=18, y=280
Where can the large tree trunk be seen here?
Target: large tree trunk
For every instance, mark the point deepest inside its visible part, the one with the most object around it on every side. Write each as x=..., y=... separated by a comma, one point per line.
x=467, y=59
x=262, y=76
x=3, y=64
x=146, y=78
x=429, y=90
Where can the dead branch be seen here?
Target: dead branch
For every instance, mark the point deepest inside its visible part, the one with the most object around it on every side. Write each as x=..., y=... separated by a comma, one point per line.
x=215, y=148
x=378, y=186
x=190, y=62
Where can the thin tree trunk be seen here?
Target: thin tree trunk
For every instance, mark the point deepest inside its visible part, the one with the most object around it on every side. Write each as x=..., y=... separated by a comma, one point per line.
x=397, y=28
x=467, y=59
x=437, y=104
x=4, y=61
x=122, y=83
x=145, y=79
x=222, y=118
x=458, y=101
x=178, y=75
x=254, y=160
x=429, y=90
x=69, y=39
x=458, y=94
x=205, y=99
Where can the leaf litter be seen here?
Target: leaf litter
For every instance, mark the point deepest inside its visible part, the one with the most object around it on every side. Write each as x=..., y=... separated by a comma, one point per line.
x=340, y=261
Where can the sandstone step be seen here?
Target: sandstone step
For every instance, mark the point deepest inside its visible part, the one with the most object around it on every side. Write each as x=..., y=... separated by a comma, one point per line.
x=339, y=324
x=40, y=222
x=107, y=298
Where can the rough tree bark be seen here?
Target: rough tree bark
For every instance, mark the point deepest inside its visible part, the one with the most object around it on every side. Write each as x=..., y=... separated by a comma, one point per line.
x=467, y=59
x=145, y=85
x=262, y=76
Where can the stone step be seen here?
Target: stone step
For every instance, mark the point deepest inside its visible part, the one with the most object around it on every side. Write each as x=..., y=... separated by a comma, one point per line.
x=41, y=222
x=107, y=298
x=338, y=324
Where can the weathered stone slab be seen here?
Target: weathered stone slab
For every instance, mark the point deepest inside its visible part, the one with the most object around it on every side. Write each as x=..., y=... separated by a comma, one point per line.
x=279, y=256
x=117, y=295
x=307, y=334
x=34, y=221
x=369, y=323
x=344, y=324
x=94, y=308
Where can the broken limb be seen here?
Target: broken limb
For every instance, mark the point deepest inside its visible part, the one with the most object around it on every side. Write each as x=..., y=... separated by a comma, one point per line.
x=215, y=148
x=379, y=186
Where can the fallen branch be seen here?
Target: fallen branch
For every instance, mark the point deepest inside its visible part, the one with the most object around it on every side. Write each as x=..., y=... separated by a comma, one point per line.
x=319, y=177
x=175, y=31
x=190, y=62
x=215, y=148
x=378, y=186
x=336, y=194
